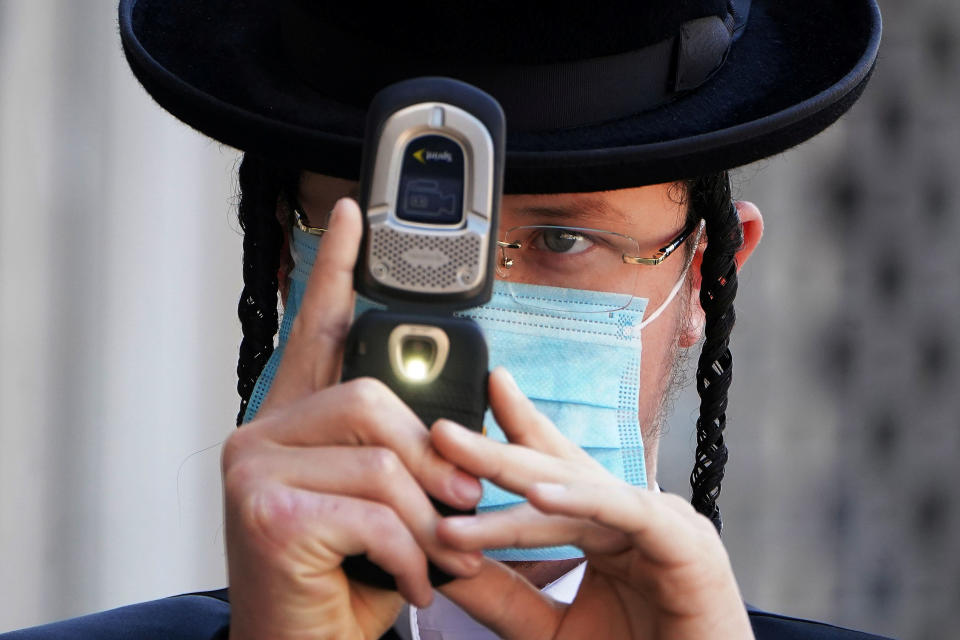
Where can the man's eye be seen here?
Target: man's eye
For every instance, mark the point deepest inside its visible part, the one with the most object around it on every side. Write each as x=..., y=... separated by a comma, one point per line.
x=563, y=241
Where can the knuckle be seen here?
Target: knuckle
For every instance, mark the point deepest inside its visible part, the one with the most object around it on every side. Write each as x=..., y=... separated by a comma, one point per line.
x=366, y=392
x=268, y=517
x=381, y=522
x=255, y=510
x=235, y=447
x=312, y=326
x=382, y=462
x=241, y=477
x=679, y=503
x=704, y=525
x=372, y=404
x=673, y=503
x=490, y=467
x=572, y=451
x=279, y=522
x=574, y=470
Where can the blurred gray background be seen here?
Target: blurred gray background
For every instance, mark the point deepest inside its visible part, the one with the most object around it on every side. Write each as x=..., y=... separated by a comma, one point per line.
x=120, y=271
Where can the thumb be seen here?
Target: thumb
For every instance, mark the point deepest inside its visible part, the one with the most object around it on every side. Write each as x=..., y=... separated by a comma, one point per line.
x=506, y=603
x=314, y=350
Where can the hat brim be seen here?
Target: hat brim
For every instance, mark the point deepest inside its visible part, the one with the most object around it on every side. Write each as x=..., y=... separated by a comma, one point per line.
x=799, y=65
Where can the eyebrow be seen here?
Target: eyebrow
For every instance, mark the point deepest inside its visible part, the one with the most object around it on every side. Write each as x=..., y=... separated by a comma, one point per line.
x=593, y=208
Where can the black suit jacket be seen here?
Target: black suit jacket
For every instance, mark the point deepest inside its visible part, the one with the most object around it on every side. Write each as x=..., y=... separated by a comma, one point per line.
x=206, y=616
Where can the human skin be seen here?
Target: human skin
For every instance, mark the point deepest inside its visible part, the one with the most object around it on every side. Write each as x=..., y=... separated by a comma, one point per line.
x=330, y=469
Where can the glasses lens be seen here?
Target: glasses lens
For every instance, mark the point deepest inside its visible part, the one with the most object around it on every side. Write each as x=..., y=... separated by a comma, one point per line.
x=569, y=258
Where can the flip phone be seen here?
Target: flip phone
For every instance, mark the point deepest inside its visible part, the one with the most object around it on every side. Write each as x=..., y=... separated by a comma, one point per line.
x=430, y=190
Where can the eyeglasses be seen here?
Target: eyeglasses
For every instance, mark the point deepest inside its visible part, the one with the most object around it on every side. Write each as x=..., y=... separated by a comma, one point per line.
x=579, y=258
x=569, y=258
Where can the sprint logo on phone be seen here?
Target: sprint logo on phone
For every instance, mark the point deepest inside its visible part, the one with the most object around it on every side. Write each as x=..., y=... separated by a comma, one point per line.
x=423, y=156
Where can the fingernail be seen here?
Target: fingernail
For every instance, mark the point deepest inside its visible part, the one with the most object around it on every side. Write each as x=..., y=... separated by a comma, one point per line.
x=461, y=523
x=550, y=489
x=335, y=213
x=451, y=427
x=338, y=208
x=424, y=599
x=472, y=561
x=466, y=488
x=509, y=379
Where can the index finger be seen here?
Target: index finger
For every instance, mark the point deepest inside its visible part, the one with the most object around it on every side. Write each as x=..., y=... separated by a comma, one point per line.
x=315, y=348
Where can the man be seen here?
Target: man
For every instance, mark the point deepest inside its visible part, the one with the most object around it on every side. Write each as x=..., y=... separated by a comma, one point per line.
x=609, y=128
x=297, y=444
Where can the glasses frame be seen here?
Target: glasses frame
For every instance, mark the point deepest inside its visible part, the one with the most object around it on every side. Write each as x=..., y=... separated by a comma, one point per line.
x=661, y=254
x=664, y=252
x=300, y=219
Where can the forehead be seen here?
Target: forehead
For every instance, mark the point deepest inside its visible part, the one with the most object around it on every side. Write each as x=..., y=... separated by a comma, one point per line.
x=647, y=207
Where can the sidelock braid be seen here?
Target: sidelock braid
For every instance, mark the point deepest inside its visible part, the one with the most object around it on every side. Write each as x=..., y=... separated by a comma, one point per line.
x=259, y=186
x=710, y=198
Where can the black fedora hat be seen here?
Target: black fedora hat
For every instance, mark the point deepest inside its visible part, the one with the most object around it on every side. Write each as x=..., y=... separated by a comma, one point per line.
x=597, y=95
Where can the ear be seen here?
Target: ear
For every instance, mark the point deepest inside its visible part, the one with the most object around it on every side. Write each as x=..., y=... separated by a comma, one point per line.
x=752, y=224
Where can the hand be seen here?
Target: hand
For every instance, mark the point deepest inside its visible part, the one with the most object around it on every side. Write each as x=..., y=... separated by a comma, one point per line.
x=655, y=567
x=328, y=470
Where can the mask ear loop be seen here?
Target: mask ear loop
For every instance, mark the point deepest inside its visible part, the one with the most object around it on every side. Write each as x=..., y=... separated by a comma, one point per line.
x=683, y=276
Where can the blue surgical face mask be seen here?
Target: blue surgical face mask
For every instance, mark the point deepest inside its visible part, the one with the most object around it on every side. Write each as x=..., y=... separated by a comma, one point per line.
x=582, y=370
